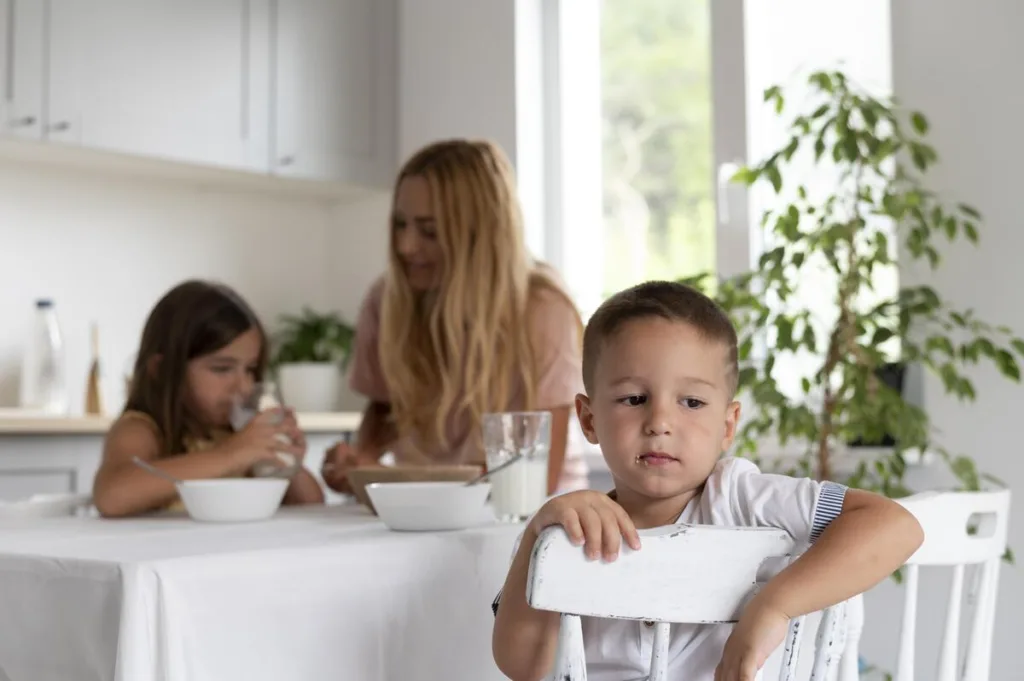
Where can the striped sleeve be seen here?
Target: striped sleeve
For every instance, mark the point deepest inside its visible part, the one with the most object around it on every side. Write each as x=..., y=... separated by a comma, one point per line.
x=829, y=506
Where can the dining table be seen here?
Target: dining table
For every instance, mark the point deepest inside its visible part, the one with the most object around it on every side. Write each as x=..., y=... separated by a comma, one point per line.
x=316, y=592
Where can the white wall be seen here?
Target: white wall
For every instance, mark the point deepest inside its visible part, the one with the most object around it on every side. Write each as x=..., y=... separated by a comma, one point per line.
x=105, y=246
x=471, y=68
x=959, y=63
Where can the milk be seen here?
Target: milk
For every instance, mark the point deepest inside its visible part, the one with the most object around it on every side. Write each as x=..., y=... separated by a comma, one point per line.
x=520, y=489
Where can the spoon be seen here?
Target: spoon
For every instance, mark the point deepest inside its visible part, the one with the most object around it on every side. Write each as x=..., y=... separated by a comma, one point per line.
x=156, y=471
x=494, y=470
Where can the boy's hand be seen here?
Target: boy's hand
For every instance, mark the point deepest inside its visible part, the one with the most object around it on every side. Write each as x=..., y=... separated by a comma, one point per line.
x=759, y=631
x=589, y=518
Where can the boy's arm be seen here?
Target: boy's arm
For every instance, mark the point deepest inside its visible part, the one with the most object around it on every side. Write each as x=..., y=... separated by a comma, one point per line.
x=524, y=640
x=871, y=538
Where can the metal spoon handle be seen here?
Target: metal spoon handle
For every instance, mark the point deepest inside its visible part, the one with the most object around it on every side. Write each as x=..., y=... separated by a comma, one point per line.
x=494, y=470
x=154, y=470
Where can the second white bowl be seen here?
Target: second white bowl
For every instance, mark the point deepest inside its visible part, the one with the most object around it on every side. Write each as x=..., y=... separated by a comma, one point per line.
x=429, y=506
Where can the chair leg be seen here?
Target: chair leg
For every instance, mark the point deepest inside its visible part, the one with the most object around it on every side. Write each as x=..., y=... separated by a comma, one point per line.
x=570, y=662
x=849, y=665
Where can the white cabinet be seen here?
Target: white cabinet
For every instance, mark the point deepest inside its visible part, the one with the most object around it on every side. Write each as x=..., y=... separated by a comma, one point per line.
x=175, y=79
x=22, y=63
x=334, y=90
x=43, y=464
x=296, y=88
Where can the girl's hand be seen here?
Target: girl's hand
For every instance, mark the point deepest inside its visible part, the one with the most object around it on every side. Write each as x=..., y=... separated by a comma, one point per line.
x=339, y=460
x=259, y=441
x=589, y=518
x=294, y=433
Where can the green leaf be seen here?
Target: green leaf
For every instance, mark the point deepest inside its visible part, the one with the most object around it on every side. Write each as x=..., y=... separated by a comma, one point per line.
x=1007, y=365
x=971, y=231
x=881, y=335
x=774, y=177
x=747, y=176
x=819, y=148
x=969, y=211
x=919, y=122
x=1018, y=345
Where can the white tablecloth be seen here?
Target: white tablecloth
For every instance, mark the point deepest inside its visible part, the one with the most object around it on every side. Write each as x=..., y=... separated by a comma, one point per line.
x=324, y=593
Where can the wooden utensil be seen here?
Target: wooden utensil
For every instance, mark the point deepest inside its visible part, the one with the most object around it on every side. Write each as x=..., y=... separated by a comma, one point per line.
x=93, y=400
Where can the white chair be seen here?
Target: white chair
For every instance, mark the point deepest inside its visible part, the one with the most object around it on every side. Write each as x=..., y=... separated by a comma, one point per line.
x=690, y=574
x=960, y=529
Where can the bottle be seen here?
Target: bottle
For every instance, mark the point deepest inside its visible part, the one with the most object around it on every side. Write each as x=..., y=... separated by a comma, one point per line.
x=43, y=379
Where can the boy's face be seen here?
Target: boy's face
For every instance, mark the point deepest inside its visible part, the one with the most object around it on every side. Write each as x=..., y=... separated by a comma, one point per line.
x=661, y=407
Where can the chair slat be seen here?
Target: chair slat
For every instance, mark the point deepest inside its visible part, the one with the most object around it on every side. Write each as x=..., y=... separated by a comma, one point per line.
x=570, y=659
x=659, y=652
x=908, y=628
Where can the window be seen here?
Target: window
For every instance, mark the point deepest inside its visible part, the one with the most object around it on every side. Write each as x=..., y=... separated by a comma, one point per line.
x=658, y=101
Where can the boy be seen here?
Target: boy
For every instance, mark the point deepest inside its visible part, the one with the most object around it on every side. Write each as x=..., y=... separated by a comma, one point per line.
x=660, y=373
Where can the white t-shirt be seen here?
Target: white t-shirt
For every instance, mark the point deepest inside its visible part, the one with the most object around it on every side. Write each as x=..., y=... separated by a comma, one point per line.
x=736, y=494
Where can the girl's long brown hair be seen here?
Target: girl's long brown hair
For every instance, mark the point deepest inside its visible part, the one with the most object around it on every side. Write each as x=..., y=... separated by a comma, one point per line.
x=193, y=319
x=472, y=334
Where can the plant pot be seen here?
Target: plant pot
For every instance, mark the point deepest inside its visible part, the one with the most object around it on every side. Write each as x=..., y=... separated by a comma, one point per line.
x=310, y=386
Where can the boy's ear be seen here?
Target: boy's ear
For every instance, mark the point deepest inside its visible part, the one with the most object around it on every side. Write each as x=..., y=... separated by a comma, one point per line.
x=732, y=419
x=586, y=418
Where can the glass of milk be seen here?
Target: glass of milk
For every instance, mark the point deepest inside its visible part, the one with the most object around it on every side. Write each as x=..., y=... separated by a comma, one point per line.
x=263, y=396
x=520, y=489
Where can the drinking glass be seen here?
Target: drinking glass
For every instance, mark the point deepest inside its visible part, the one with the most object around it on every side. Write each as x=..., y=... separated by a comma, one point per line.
x=244, y=408
x=519, y=490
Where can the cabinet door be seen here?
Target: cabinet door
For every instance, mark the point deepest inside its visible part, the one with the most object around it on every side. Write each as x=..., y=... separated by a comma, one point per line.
x=334, y=81
x=174, y=79
x=22, y=67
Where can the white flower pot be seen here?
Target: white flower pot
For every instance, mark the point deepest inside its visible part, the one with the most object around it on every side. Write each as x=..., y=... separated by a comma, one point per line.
x=310, y=386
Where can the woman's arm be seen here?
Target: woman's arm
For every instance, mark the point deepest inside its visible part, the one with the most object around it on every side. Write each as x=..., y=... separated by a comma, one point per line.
x=375, y=435
x=376, y=431
x=121, y=488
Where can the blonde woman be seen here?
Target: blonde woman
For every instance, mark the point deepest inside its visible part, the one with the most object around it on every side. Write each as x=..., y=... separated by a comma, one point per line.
x=464, y=322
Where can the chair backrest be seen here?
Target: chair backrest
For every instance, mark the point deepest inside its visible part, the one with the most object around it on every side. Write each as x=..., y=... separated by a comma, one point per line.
x=681, y=574
x=960, y=529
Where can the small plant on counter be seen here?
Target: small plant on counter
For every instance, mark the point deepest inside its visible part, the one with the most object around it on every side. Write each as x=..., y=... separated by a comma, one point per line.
x=311, y=351
x=313, y=337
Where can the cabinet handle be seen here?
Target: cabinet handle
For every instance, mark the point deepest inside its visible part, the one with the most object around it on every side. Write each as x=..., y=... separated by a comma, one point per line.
x=60, y=126
x=286, y=161
x=23, y=122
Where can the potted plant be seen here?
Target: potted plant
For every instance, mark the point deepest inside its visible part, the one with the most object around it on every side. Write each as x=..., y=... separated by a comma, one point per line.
x=850, y=229
x=311, y=351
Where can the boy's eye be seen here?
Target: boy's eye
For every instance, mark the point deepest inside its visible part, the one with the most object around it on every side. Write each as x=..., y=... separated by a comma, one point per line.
x=693, y=403
x=633, y=400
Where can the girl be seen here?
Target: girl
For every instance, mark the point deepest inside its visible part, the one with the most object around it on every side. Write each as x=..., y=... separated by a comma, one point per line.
x=464, y=322
x=202, y=345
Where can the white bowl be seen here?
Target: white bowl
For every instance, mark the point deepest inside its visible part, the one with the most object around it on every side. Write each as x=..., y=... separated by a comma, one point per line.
x=232, y=500
x=429, y=506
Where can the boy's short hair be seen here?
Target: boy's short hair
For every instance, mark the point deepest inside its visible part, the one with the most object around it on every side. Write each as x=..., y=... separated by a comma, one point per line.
x=667, y=300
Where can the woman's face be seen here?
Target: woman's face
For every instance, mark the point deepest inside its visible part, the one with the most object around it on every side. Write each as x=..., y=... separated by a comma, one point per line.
x=415, y=234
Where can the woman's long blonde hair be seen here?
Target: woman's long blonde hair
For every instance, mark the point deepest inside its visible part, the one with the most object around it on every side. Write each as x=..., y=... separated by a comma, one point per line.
x=472, y=334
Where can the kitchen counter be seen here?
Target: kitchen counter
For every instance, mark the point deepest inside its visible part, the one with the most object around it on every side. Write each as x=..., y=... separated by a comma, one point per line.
x=329, y=422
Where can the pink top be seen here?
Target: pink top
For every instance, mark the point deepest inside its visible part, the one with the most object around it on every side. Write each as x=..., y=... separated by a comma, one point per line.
x=556, y=341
